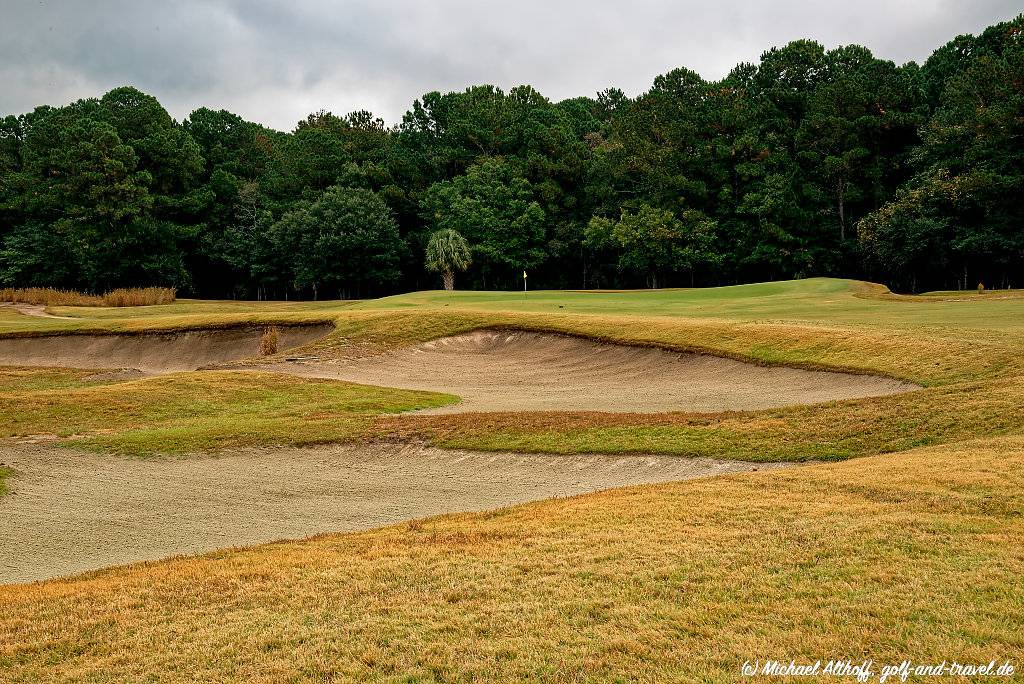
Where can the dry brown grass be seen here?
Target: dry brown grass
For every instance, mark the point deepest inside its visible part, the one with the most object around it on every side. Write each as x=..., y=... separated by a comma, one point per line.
x=269, y=341
x=48, y=296
x=140, y=296
x=916, y=555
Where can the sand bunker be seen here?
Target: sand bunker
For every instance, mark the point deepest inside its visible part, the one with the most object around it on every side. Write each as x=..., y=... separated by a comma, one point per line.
x=151, y=353
x=68, y=512
x=522, y=371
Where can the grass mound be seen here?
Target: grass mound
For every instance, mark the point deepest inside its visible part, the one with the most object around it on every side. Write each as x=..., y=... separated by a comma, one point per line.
x=196, y=411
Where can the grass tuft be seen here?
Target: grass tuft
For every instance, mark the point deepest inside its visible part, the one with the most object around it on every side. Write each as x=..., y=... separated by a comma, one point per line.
x=139, y=296
x=269, y=341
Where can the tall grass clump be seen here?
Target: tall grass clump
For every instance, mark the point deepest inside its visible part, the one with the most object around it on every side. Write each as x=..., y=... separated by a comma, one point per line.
x=140, y=296
x=48, y=296
x=269, y=341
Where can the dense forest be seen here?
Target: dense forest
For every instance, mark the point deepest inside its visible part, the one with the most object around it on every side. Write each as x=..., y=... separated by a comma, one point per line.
x=811, y=162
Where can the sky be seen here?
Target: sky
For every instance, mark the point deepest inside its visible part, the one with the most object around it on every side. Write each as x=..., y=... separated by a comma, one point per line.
x=275, y=61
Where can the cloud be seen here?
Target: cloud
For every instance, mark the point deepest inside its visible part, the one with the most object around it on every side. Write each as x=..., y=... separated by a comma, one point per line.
x=274, y=61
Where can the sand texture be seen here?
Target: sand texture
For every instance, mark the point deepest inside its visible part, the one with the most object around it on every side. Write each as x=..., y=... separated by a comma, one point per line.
x=522, y=371
x=150, y=352
x=69, y=511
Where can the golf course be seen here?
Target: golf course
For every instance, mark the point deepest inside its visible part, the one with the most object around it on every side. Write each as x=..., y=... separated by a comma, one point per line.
x=541, y=485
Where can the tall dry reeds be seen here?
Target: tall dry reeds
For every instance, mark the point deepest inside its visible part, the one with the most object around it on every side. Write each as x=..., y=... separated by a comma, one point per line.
x=48, y=296
x=140, y=296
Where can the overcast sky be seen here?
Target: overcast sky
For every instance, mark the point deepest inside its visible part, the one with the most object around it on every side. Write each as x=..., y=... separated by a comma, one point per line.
x=274, y=61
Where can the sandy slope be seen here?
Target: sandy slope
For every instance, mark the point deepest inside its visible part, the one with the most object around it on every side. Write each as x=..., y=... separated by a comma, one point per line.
x=70, y=511
x=489, y=370
x=151, y=352
x=522, y=371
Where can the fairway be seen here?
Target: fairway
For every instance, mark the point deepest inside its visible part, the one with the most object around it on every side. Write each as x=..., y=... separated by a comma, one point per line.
x=439, y=403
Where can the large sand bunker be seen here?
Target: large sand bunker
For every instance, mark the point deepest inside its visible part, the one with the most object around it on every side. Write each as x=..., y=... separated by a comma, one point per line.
x=68, y=512
x=523, y=371
x=150, y=352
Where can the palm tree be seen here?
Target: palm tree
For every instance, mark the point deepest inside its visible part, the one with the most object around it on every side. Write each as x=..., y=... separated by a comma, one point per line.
x=447, y=252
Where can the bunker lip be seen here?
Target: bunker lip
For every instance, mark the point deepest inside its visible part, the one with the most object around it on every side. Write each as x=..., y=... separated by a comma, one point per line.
x=72, y=511
x=517, y=370
x=152, y=351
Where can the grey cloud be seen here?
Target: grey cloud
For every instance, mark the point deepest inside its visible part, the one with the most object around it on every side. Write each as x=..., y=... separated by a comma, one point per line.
x=275, y=61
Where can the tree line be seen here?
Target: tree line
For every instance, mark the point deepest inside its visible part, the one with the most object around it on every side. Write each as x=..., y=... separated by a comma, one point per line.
x=810, y=162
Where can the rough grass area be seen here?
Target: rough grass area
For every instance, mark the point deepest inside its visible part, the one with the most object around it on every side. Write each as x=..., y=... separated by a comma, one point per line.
x=31, y=379
x=48, y=296
x=913, y=555
x=188, y=412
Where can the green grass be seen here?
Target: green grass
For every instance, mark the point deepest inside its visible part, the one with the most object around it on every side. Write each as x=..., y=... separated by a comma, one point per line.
x=5, y=473
x=815, y=301
x=34, y=379
x=188, y=412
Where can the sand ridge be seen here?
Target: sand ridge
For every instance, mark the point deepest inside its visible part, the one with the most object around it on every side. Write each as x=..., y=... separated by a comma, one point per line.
x=495, y=370
x=150, y=352
x=69, y=511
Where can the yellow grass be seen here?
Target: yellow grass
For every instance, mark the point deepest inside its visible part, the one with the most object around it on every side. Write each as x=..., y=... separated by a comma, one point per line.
x=268, y=341
x=139, y=296
x=48, y=296
x=917, y=555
